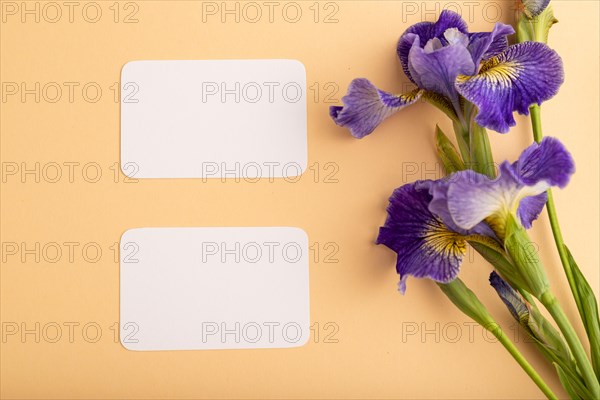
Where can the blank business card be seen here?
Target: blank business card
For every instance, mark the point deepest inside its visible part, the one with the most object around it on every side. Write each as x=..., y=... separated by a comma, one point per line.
x=213, y=119
x=214, y=288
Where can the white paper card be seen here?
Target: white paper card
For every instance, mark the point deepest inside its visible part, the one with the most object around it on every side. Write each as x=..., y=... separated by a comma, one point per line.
x=213, y=119
x=214, y=288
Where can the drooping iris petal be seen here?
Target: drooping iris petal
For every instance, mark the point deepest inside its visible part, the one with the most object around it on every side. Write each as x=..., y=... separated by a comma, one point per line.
x=425, y=246
x=525, y=74
x=518, y=189
x=435, y=68
x=534, y=7
x=530, y=208
x=365, y=107
x=549, y=161
x=484, y=45
x=426, y=31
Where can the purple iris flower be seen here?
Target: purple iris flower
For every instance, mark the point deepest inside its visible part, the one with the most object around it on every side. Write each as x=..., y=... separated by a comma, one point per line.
x=430, y=222
x=426, y=247
x=449, y=64
x=520, y=188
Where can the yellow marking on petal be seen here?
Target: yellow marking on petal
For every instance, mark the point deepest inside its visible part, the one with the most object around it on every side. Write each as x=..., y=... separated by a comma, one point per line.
x=411, y=96
x=442, y=103
x=497, y=221
x=463, y=78
x=495, y=72
x=486, y=241
x=445, y=242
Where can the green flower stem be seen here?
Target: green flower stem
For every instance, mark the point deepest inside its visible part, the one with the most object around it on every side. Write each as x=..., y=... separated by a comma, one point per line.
x=467, y=302
x=512, y=349
x=475, y=150
x=536, y=123
x=462, y=138
x=481, y=152
x=583, y=363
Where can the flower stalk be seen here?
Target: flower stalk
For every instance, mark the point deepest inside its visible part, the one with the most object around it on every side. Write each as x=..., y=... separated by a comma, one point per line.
x=466, y=301
x=554, y=308
x=536, y=124
x=534, y=24
x=551, y=304
x=461, y=133
x=514, y=352
x=531, y=269
x=481, y=152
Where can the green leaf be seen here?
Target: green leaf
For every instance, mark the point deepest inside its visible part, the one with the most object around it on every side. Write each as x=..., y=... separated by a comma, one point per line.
x=542, y=24
x=447, y=152
x=568, y=373
x=550, y=338
x=564, y=380
x=572, y=382
x=524, y=27
x=588, y=309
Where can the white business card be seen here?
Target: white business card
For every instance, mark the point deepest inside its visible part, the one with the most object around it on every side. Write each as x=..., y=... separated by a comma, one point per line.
x=213, y=119
x=214, y=288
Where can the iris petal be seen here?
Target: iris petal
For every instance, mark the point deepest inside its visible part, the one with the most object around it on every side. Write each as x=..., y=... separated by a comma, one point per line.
x=530, y=208
x=549, y=161
x=484, y=45
x=365, y=107
x=524, y=74
x=423, y=31
x=426, y=31
x=436, y=70
x=473, y=197
x=439, y=206
x=449, y=19
x=426, y=248
x=519, y=188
